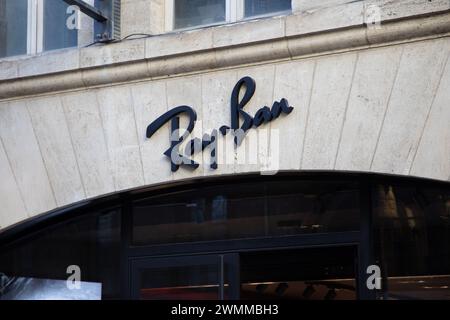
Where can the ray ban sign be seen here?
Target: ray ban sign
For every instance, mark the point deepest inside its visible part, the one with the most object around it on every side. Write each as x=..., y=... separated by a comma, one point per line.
x=246, y=88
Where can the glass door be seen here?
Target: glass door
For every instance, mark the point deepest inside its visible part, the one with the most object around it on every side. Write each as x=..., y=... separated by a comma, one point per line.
x=315, y=273
x=206, y=277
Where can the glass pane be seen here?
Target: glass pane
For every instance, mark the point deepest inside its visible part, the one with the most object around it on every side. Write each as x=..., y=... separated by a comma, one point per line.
x=45, y=289
x=192, y=13
x=312, y=207
x=56, y=33
x=91, y=242
x=413, y=241
x=13, y=27
x=263, y=7
x=180, y=283
x=305, y=274
x=248, y=210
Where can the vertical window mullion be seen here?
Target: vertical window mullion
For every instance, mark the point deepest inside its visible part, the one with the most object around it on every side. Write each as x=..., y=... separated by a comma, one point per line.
x=239, y=9
x=31, y=26
x=40, y=26
x=236, y=10
x=169, y=15
x=230, y=10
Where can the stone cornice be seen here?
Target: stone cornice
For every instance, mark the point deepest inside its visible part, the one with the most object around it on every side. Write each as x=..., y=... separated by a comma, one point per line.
x=310, y=33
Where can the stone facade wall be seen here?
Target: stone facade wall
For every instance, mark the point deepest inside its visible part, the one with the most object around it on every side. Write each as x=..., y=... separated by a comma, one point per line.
x=72, y=123
x=142, y=16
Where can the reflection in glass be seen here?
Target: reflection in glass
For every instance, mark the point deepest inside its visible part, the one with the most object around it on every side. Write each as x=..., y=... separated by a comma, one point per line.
x=418, y=288
x=56, y=33
x=13, y=27
x=342, y=289
x=180, y=283
x=91, y=242
x=192, y=13
x=413, y=241
x=263, y=7
x=46, y=289
x=305, y=274
x=249, y=210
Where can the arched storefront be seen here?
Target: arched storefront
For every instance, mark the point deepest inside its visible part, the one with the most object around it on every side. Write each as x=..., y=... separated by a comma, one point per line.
x=348, y=101
x=289, y=236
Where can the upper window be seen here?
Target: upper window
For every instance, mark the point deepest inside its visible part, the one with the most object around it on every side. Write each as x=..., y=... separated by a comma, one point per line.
x=34, y=26
x=56, y=32
x=244, y=211
x=13, y=27
x=195, y=13
x=191, y=13
x=255, y=8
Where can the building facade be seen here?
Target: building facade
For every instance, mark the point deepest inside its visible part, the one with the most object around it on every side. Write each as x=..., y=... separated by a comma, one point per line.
x=326, y=156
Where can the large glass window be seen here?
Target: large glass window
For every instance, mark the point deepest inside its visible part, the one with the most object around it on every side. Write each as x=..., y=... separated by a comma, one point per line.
x=413, y=241
x=185, y=282
x=196, y=278
x=301, y=274
x=247, y=211
x=292, y=237
x=13, y=27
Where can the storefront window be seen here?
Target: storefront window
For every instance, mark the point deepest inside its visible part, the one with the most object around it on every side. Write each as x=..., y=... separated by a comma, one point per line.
x=301, y=274
x=180, y=283
x=247, y=211
x=90, y=243
x=413, y=241
x=293, y=238
x=13, y=27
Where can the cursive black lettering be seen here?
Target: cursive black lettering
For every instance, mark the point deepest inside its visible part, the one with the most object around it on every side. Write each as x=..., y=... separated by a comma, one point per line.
x=173, y=153
x=262, y=116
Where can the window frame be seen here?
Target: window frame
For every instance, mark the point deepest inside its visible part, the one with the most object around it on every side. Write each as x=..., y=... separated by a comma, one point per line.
x=35, y=30
x=241, y=12
x=30, y=34
x=234, y=12
x=35, y=34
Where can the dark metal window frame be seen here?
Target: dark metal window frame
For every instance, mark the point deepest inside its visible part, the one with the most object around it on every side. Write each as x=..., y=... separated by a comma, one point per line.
x=362, y=239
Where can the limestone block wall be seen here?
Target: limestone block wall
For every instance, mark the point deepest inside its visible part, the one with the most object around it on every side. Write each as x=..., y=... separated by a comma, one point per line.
x=142, y=16
x=375, y=110
x=73, y=123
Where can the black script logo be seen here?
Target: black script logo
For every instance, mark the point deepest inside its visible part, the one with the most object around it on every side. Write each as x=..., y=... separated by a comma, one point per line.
x=262, y=116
